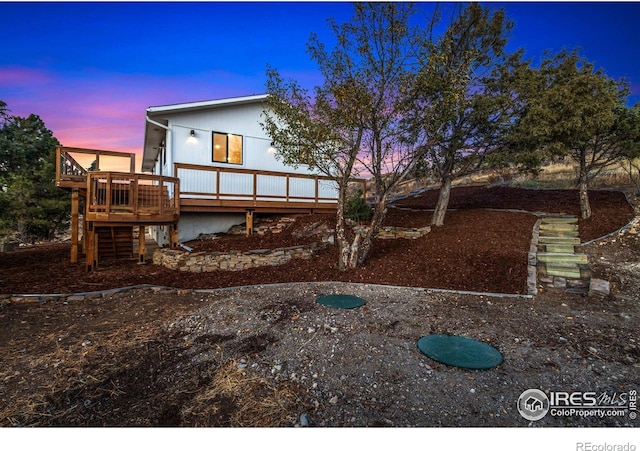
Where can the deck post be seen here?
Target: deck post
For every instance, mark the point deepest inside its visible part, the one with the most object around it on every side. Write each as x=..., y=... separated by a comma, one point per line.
x=90, y=244
x=75, y=207
x=249, y=222
x=85, y=229
x=173, y=235
x=141, y=244
x=96, y=249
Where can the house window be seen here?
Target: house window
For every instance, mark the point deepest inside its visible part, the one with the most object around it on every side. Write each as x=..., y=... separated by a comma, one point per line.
x=227, y=148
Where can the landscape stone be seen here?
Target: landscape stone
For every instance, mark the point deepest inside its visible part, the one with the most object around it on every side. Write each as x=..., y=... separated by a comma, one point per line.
x=560, y=282
x=599, y=287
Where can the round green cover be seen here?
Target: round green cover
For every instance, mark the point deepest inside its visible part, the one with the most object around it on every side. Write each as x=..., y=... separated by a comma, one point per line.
x=345, y=301
x=460, y=351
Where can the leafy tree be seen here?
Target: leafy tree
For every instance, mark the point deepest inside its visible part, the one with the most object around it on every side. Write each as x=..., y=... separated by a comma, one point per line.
x=575, y=110
x=464, y=105
x=31, y=204
x=629, y=131
x=357, y=208
x=356, y=121
x=3, y=112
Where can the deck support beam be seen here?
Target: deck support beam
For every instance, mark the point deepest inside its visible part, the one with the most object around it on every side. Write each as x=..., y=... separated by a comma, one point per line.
x=91, y=248
x=75, y=212
x=142, y=243
x=249, y=222
x=173, y=236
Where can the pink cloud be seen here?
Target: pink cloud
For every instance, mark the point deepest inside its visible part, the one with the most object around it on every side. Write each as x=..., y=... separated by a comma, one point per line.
x=22, y=76
x=99, y=110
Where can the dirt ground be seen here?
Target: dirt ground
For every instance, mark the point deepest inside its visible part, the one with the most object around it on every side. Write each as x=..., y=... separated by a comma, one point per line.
x=270, y=355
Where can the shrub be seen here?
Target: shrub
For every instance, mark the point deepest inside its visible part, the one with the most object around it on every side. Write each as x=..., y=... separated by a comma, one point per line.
x=357, y=208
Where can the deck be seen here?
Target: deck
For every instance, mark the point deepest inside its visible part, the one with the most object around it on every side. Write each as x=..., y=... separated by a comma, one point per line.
x=116, y=196
x=116, y=200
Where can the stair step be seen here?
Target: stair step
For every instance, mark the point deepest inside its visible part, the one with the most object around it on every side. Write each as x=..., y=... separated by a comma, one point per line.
x=550, y=257
x=566, y=271
x=560, y=233
x=560, y=220
x=115, y=243
x=572, y=268
x=560, y=248
x=563, y=227
x=558, y=240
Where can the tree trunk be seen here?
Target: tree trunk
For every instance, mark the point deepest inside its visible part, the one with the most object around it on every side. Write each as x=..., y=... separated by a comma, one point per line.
x=353, y=254
x=341, y=235
x=585, y=207
x=443, y=202
x=366, y=242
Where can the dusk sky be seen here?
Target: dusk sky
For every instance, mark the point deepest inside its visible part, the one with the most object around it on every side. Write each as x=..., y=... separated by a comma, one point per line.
x=90, y=70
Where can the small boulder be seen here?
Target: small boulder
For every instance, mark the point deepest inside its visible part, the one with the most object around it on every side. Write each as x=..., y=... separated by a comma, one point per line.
x=599, y=287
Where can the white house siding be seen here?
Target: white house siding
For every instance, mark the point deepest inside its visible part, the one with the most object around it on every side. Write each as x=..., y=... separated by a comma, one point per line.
x=257, y=154
x=193, y=224
x=241, y=120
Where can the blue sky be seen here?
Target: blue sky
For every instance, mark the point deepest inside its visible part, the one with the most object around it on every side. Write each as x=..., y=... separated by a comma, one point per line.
x=90, y=70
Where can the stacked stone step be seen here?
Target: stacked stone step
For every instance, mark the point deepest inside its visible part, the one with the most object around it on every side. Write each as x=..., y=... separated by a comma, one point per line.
x=559, y=262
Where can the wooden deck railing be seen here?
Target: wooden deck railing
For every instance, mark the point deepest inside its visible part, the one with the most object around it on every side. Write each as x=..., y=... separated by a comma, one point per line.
x=125, y=197
x=73, y=164
x=115, y=192
x=207, y=186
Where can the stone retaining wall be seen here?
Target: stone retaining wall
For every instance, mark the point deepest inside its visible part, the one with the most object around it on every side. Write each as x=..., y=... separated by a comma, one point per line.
x=388, y=233
x=392, y=233
x=237, y=261
x=232, y=261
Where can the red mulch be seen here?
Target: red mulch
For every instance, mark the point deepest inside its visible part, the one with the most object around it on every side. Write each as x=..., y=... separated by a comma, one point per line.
x=476, y=249
x=610, y=208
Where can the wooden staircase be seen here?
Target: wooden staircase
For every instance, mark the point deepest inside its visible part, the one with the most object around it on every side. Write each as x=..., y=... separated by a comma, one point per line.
x=115, y=203
x=115, y=242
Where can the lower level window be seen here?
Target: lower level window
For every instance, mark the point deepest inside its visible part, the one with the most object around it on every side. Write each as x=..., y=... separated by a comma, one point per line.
x=227, y=148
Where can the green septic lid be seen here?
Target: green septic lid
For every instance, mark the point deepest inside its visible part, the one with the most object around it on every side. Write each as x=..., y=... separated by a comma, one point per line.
x=344, y=301
x=459, y=351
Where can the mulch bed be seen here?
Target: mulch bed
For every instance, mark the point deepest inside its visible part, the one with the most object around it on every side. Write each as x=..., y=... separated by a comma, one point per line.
x=477, y=249
x=610, y=208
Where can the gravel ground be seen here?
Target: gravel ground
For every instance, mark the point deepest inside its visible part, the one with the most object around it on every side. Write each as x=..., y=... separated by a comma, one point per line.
x=361, y=367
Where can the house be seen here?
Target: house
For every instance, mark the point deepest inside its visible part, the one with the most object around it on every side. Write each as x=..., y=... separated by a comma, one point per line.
x=227, y=166
x=206, y=166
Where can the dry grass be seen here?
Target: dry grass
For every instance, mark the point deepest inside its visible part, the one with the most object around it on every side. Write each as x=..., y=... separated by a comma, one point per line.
x=233, y=398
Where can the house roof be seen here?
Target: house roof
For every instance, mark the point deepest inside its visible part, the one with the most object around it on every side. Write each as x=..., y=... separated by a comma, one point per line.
x=157, y=121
